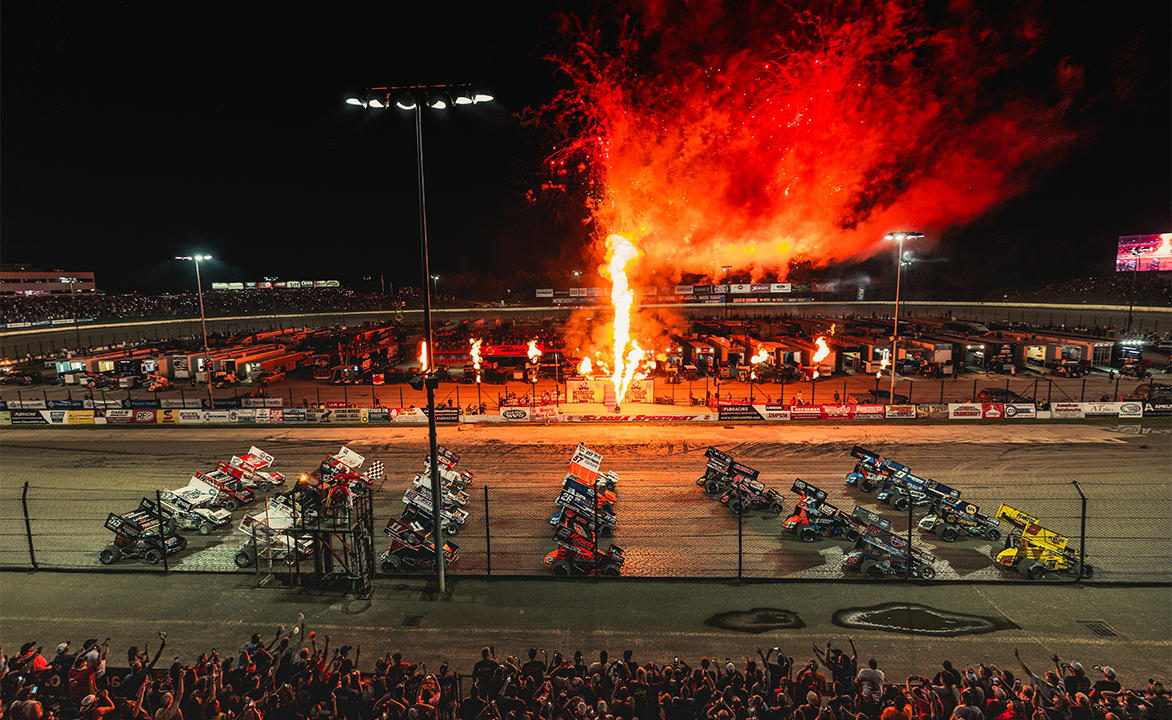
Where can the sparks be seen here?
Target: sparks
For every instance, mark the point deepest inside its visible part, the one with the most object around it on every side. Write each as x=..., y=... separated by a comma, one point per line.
x=627, y=353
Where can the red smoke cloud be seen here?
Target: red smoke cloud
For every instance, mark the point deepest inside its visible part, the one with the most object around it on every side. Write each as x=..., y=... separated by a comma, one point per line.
x=748, y=134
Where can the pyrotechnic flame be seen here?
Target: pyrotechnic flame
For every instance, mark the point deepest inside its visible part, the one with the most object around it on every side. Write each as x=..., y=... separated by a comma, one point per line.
x=423, y=356
x=476, y=357
x=627, y=353
x=534, y=353
x=823, y=350
x=832, y=326
x=761, y=356
x=585, y=368
x=883, y=364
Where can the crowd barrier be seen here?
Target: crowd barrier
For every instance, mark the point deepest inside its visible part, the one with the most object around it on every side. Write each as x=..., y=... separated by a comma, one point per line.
x=145, y=412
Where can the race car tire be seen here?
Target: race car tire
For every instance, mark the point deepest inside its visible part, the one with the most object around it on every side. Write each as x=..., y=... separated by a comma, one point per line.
x=392, y=565
x=231, y=505
x=263, y=487
x=948, y=533
x=1032, y=570
x=737, y=506
x=611, y=570
x=205, y=528
x=1088, y=571
x=110, y=555
x=561, y=568
x=776, y=508
x=450, y=529
x=807, y=535
x=852, y=535
x=871, y=570
x=993, y=534
x=243, y=559
x=711, y=487
x=866, y=485
x=290, y=558
x=170, y=527
x=927, y=572
x=900, y=502
x=607, y=508
x=606, y=531
x=153, y=556
x=182, y=542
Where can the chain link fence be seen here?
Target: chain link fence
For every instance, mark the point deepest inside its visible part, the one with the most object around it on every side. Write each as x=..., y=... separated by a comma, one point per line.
x=676, y=531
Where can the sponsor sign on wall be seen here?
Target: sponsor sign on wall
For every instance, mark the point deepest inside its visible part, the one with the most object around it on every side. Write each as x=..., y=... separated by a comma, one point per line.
x=1066, y=410
x=705, y=417
x=544, y=413
x=869, y=412
x=1020, y=411
x=447, y=414
x=190, y=417
x=737, y=412
x=376, y=415
x=583, y=391
x=191, y=403
x=992, y=411
x=80, y=417
x=640, y=391
x=964, y=411
x=805, y=412
x=1157, y=409
x=515, y=414
x=901, y=412
x=935, y=411
x=242, y=416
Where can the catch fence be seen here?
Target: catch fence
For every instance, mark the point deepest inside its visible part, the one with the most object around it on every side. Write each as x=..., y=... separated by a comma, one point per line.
x=675, y=531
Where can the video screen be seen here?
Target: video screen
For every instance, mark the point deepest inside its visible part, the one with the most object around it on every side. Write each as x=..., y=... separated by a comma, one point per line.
x=1144, y=253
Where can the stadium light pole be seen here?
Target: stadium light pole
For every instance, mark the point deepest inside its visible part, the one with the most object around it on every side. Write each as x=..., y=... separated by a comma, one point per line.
x=1136, y=252
x=899, y=237
x=207, y=360
x=414, y=97
x=72, y=283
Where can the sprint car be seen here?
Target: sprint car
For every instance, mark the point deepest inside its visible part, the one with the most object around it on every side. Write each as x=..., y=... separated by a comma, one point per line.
x=953, y=519
x=141, y=533
x=411, y=551
x=1034, y=551
x=190, y=508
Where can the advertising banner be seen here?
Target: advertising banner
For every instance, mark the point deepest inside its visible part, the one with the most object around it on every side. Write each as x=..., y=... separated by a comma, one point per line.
x=805, y=412
x=544, y=413
x=242, y=416
x=992, y=411
x=167, y=416
x=145, y=403
x=408, y=415
x=1066, y=410
x=227, y=403
x=780, y=287
x=80, y=417
x=1154, y=409
x=294, y=415
x=838, y=412
x=773, y=412
x=684, y=289
x=260, y=402
x=446, y=414
x=119, y=417
x=1131, y=409
x=376, y=415
x=38, y=404
x=640, y=391
x=5, y=417
x=215, y=417
x=55, y=417
x=583, y=391
x=1021, y=411
x=933, y=411
x=515, y=414
x=65, y=405
x=190, y=417
x=545, y=292
x=612, y=417
x=870, y=412
x=737, y=411
x=964, y=411
x=900, y=412
x=191, y=403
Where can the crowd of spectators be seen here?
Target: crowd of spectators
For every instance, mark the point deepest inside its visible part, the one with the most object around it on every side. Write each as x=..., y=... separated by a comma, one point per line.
x=1144, y=288
x=292, y=677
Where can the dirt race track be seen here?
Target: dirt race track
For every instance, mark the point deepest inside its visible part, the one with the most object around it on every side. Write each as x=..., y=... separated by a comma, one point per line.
x=667, y=526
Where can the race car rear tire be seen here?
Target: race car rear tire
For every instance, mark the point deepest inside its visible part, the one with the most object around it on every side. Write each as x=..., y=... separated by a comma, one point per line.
x=871, y=570
x=450, y=529
x=948, y=533
x=927, y=572
x=263, y=487
x=607, y=508
x=900, y=502
x=807, y=535
x=866, y=485
x=231, y=505
x=736, y=506
x=852, y=535
x=711, y=487
x=1032, y=570
x=110, y=555
x=993, y=534
x=561, y=568
x=606, y=531
x=205, y=528
x=1088, y=571
x=170, y=527
x=392, y=564
x=243, y=559
x=152, y=556
x=182, y=542
x=776, y=508
x=611, y=570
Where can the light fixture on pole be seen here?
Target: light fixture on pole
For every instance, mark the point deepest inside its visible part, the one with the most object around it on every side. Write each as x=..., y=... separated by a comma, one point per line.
x=207, y=361
x=414, y=97
x=435, y=282
x=726, y=269
x=1135, y=251
x=899, y=237
x=72, y=282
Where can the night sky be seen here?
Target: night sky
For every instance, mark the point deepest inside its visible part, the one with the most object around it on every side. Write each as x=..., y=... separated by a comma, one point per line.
x=134, y=132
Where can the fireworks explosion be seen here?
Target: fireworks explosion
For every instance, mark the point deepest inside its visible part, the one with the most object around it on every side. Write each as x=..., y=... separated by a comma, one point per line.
x=752, y=134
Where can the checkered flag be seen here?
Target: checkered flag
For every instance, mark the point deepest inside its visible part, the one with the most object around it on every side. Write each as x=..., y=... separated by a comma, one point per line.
x=376, y=471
